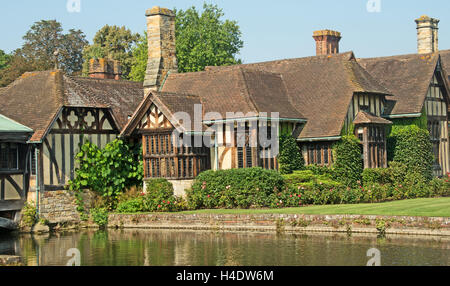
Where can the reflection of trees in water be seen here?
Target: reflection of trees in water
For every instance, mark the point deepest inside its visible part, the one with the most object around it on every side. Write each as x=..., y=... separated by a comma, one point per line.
x=162, y=247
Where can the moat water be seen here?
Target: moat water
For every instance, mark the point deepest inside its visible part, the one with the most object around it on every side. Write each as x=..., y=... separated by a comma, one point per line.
x=189, y=248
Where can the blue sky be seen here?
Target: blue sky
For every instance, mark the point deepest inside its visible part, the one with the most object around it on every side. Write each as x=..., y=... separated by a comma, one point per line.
x=271, y=29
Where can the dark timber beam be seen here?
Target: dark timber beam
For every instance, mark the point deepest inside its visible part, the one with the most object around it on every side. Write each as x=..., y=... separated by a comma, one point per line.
x=11, y=205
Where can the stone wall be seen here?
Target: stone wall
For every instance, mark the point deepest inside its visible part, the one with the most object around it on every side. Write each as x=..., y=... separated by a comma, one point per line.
x=180, y=187
x=60, y=206
x=285, y=223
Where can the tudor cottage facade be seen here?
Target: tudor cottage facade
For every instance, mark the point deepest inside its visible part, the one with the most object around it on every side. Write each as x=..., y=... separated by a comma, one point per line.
x=319, y=99
x=192, y=122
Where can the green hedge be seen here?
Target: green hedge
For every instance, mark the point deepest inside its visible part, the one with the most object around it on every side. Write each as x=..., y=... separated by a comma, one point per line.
x=411, y=146
x=348, y=165
x=235, y=188
x=159, y=197
x=321, y=194
x=396, y=173
x=307, y=178
x=321, y=170
x=290, y=158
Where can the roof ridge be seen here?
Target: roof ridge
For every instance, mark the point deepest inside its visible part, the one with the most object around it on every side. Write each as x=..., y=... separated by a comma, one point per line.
x=175, y=94
x=349, y=54
x=104, y=79
x=412, y=55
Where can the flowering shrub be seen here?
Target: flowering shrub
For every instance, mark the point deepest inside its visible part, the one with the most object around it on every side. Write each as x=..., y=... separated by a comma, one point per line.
x=414, y=186
x=235, y=188
x=158, y=198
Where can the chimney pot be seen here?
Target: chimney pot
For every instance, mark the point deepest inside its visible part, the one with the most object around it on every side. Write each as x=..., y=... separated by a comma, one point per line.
x=427, y=35
x=327, y=42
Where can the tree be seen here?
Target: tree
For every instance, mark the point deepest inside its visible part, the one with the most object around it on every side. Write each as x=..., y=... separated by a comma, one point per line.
x=112, y=42
x=18, y=66
x=45, y=38
x=206, y=40
x=5, y=60
x=38, y=51
x=140, y=58
x=201, y=40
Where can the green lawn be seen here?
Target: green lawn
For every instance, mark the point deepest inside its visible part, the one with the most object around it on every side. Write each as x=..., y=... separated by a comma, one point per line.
x=434, y=207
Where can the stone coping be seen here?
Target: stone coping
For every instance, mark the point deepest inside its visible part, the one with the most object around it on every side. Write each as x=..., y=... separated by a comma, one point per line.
x=290, y=223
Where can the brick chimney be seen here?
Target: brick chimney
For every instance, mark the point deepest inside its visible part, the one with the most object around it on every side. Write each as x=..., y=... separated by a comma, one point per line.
x=105, y=69
x=427, y=35
x=327, y=42
x=162, y=57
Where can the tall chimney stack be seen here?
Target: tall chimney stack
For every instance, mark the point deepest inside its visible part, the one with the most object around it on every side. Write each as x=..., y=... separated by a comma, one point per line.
x=327, y=42
x=162, y=57
x=427, y=35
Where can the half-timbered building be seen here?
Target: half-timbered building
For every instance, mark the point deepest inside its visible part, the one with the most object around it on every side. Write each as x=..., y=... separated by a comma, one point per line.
x=191, y=122
x=319, y=98
x=64, y=111
x=14, y=167
x=419, y=83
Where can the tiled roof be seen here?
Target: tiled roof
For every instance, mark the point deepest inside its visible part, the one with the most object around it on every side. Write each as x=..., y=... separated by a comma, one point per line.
x=367, y=118
x=317, y=88
x=123, y=97
x=235, y=90
x=407, y=76
x=36, y=98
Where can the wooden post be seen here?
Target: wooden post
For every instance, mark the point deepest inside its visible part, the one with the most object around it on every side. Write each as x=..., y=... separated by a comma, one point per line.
x=366, y=147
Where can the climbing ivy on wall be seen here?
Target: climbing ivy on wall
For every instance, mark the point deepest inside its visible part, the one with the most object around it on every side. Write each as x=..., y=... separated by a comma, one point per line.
x=290, y=158
x=399, y=124
x=108, y=171
x=411, y=146
x=421, y=122
x=348, y=163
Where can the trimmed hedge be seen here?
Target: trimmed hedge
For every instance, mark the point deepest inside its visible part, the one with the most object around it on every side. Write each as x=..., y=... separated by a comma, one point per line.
x=159, y=197
x=321, y=170
x=412, y=146
x=348, y=165
x=290, y=158
x=307, y=178
x=394, y=174
x=235, y=188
